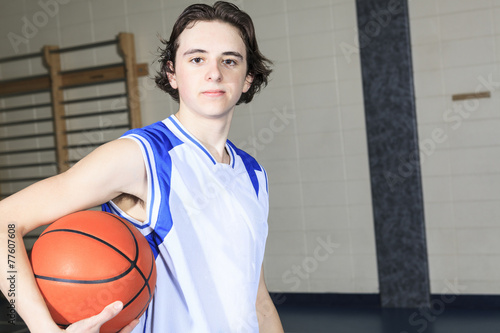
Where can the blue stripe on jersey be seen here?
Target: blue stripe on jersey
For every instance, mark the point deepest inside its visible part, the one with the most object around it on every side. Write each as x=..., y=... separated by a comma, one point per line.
x=250, y=164
x=267, y=186
x=192, y=139
x=106, y=207
x=160, y=141
x=149, y=164
x=232, y=155
x=155, y=240
x=145, y=319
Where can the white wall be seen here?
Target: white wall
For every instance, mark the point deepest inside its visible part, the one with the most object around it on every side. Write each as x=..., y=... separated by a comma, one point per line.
x=307, y=127
x=456, y=48
x=317, y=157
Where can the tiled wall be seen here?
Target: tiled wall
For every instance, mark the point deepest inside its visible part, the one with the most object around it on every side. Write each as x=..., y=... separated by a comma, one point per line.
x=456, y=48
x=307, y=127
x=316, y=155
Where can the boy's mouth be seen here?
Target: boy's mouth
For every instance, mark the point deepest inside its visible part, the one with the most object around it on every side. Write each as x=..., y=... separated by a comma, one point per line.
x=213, y=93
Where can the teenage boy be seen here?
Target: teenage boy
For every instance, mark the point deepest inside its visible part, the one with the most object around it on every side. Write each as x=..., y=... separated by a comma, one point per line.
x=201, y=202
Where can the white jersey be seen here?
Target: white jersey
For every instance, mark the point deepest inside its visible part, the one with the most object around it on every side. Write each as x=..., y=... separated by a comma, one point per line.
x=207, y=226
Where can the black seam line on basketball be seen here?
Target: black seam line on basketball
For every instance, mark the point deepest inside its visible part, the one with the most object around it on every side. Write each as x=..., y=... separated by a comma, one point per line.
x=146, y=281
x=133, y=263
x=149, y=289
x=146, y=284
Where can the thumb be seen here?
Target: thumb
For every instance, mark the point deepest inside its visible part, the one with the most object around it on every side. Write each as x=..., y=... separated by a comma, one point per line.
x=107, y=313
x=93, y=324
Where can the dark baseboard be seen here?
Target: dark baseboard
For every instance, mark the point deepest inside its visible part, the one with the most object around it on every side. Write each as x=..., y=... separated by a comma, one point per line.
x=487, y=302
x=326, y=299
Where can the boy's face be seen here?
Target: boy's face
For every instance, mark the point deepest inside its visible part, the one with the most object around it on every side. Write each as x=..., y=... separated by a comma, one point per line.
x=210, y=69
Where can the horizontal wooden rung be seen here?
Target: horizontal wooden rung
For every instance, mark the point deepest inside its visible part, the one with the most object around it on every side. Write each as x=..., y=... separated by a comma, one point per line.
x=474, y=95
x=21, y=57
x=21, y=180
x=27, y=136
x=93, y=76
x=24, y=86
x=98, y=129
x=85, y=145
x=27, y=151
x=26, y=107
x=25, y=122
x=94, y=98
x=92, y=68
x=93, y=114
x=69, y=80
x=27, y=165
x=85, y=46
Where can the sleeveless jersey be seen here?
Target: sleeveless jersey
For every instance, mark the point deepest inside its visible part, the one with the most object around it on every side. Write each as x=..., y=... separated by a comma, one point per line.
x=207, y=226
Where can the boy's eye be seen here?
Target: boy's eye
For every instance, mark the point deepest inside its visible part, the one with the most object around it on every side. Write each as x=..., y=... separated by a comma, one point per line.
x=229, y=62
x=197, y=60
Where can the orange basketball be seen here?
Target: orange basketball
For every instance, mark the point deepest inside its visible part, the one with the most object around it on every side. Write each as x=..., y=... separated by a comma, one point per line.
x=87, y=260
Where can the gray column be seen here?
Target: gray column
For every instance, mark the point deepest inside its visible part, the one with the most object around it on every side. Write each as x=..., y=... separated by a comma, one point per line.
x=389, y=99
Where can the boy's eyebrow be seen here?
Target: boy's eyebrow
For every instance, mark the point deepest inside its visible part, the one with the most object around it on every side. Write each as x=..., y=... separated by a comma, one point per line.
x=234, y=54
x=231, y=53
x=192, y=51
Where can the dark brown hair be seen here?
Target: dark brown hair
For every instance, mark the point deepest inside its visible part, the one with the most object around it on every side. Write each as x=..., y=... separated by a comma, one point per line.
x=258, y=65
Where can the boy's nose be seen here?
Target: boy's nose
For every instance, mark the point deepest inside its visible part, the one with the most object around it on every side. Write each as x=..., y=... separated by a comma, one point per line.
x=214, y=73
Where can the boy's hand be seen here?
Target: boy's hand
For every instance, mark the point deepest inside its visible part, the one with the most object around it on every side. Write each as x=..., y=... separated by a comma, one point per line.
x=93, y=324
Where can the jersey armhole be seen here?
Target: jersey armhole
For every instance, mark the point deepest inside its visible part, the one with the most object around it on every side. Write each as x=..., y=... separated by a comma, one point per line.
x=148, y=158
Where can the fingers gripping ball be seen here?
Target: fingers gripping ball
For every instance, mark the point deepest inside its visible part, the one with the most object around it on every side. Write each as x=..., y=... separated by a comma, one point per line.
x=87, y=260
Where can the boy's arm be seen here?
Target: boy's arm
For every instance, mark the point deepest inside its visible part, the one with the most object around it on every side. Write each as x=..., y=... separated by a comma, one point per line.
x=269, y=320
x=110, y=170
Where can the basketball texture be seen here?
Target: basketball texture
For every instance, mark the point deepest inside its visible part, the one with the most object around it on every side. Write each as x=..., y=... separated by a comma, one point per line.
x=87, y=260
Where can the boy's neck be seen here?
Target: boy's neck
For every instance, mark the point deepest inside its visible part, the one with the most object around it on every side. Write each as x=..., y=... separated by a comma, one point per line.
x=211, y=132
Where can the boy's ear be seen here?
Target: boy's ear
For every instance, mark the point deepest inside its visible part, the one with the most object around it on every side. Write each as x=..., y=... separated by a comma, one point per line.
x=248, y=82
x=171, y=75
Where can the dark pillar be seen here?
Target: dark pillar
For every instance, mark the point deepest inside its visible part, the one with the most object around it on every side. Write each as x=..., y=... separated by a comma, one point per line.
x=391, y=125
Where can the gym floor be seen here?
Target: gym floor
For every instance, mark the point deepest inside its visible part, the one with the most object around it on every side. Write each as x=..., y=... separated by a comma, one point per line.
x=297, y=319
